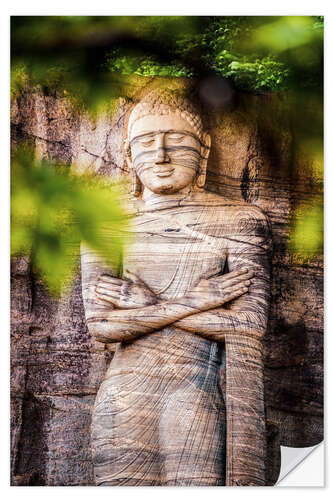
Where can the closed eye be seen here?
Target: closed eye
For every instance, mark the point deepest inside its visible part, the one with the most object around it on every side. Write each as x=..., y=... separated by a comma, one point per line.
x=146, y=142
x=174, y=137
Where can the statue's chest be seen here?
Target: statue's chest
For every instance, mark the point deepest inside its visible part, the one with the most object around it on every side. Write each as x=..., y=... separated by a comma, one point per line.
x=171, y=253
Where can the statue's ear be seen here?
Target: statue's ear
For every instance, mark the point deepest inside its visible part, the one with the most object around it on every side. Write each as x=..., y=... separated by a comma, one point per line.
x=135, y=181
x=127, y=155
x=205, y=150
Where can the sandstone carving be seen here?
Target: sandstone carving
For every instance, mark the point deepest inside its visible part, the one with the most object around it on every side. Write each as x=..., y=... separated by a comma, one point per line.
x=190, y=305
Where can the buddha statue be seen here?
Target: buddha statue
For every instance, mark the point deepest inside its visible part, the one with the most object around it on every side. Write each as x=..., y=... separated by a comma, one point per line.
x=190, y=304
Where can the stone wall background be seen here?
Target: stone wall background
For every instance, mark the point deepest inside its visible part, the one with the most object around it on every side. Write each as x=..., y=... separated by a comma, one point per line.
x=56, y=367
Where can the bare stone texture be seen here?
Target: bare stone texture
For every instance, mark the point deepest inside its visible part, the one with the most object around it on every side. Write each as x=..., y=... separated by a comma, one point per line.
x=57, y=368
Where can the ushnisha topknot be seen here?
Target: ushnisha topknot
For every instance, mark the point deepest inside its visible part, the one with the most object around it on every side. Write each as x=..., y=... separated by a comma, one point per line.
x=164, y=102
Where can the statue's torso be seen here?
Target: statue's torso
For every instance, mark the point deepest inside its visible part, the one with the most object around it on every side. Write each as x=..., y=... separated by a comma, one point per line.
x=159, y=416
x=171, y=250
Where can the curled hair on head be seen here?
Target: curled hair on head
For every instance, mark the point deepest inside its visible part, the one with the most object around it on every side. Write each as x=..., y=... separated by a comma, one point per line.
x=166, y=101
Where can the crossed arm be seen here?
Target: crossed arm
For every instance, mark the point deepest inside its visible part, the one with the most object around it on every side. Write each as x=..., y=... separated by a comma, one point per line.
x=140, y=312
x=202, y=310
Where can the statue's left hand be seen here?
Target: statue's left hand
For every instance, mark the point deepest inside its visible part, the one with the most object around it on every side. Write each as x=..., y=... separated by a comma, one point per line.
x=129, y=293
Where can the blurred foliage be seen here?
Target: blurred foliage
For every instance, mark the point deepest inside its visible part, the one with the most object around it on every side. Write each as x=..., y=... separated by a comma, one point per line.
x=88, y=59
x=53, y=210
x=143, y=65
x=69, y=54
x=256, y=53
x=308, y=230
x=82, y=52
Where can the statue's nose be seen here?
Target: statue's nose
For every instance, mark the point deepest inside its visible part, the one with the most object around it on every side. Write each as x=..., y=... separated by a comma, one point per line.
x=161, y=154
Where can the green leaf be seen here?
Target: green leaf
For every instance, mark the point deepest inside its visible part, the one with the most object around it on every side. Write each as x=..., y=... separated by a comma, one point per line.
x=52, y=211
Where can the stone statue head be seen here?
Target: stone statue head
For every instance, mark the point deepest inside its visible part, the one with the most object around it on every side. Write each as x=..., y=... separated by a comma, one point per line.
x=166, y=148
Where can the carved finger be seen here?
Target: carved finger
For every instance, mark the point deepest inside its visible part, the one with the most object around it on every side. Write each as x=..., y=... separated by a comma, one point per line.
x=242, y=275
x=105, y=298
x=111, y=296
x=244, y=280
x=109, y=287
x=227, y=282
x=237, y=293
x=109, y=279
x=107, y=292
x=237, y=272
x=235, y=288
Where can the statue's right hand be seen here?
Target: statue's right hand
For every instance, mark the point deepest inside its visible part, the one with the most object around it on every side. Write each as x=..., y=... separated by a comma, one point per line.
x=214, y=292
x=129, y=293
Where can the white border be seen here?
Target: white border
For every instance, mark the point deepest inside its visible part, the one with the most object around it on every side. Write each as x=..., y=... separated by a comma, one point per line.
x=171, y=7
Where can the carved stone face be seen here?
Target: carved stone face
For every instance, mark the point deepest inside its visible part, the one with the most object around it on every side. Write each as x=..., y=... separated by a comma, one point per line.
x=166, y=153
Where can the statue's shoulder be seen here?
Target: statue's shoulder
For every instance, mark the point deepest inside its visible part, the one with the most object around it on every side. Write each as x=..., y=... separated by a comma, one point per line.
x=238, y=209
x=239, y=216
x=244, y=210
x=250, y=220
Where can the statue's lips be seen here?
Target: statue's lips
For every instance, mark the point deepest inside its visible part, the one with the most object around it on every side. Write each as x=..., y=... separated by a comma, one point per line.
x=163, y=171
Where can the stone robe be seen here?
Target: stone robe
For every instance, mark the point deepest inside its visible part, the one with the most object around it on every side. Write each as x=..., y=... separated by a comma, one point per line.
x=160, y=414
